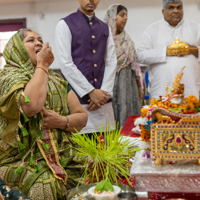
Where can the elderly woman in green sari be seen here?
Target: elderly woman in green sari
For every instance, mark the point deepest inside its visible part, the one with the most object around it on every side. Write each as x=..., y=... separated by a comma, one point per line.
x=38, y=112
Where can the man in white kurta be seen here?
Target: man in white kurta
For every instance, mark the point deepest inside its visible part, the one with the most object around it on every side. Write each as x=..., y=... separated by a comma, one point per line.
x=96, y=116
x=152, y=51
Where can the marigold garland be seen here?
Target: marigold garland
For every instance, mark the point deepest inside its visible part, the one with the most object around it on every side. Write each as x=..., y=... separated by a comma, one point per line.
x=154, y=101
x=145, y=134
x=144, y=112
x=189, y=106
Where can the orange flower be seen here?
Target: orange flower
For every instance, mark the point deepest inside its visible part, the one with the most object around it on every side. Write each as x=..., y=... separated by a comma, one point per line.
x=183, y=111
x=166, y=105
x=190, y=107
x=154, y=101
x=145, y=134
x=144, y=112
x=175, y=105
x=192, y=99
x=160, y=104
x=170, y=105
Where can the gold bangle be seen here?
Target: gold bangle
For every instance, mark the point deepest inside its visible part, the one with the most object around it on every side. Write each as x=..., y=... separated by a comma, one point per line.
x=67, y=125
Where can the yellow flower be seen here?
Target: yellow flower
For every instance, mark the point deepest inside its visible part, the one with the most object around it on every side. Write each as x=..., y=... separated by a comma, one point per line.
x=190, y=107
x=175, y=105
x=166, y=105
x=192, y=99
x=144, y=112
x=154, y=101
x=160, y=104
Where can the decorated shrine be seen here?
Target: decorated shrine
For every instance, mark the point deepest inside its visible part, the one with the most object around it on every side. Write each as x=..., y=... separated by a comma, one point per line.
x=173, y=125
x=170, y=138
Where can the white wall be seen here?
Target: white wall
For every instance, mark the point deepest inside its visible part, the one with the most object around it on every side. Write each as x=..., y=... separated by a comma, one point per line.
x=141, y=13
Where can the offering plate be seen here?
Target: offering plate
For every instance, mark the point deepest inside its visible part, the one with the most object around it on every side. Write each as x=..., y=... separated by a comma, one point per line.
x=84, y=188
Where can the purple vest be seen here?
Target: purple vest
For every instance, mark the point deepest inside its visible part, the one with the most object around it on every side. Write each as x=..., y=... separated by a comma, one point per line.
x=89, y=42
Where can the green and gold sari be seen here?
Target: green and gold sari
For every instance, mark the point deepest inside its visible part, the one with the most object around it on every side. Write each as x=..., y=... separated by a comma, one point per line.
x=40, y=163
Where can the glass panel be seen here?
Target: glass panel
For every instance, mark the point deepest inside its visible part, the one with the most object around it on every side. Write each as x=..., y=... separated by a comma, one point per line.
x=4, y=38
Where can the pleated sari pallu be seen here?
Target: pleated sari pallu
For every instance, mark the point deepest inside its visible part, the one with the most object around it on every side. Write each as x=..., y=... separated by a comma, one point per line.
x=40, y=163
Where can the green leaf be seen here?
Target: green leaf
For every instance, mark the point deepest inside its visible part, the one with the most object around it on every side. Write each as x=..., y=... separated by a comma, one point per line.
x=176, y=110
x=31, y=161
x=24, y=131
x=18, y=170
x=46, y=146
x=25, y=117
x=110, y=160
x=36, y=169
x=62, y=163
x=41, y=134
x=100, y=185
x=104, y=185
x=26, y=99
x=108, y=186
x=21, y=146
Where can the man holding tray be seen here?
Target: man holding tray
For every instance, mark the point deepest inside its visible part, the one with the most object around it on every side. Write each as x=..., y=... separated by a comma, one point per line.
x=154, y=47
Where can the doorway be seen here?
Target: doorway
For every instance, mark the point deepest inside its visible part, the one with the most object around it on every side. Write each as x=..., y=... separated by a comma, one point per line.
x=8, y=28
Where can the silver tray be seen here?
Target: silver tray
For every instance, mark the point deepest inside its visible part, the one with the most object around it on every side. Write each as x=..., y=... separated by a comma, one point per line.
x=81, y=189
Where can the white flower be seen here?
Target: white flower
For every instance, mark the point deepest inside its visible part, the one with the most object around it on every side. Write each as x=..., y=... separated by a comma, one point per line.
x=137, y=130
x=145, y=145
x=146, y=107
x=140, y=121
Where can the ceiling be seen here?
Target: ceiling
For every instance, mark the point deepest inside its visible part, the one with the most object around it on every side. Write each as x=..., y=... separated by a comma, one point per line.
x=22, y=1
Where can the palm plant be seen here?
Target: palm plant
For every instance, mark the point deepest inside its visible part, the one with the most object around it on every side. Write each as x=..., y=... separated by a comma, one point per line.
x=109, y=158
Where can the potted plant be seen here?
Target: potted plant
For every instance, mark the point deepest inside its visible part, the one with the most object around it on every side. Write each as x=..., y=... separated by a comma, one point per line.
x=107, y=158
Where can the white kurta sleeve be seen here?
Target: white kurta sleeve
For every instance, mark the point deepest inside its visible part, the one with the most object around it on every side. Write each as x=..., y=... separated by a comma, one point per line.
x=198, y=53
x=198, y=44
x=110, y=66
x=63, y=47
x=149, y=55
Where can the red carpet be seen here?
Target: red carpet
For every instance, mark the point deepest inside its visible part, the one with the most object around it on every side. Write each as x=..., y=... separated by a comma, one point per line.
x=128, y=126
